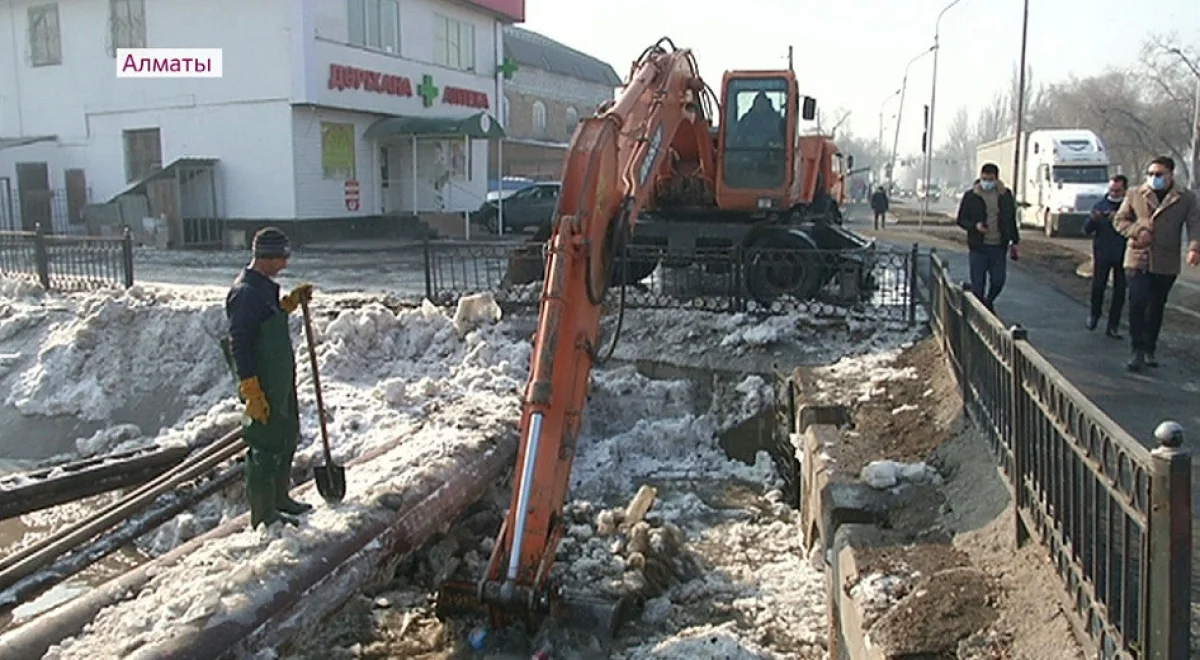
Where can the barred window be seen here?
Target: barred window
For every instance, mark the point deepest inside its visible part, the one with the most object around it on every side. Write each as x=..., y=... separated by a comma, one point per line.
x=45, y=38
x=127, y=23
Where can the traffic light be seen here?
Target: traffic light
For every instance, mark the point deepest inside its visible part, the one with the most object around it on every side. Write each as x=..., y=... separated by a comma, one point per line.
x=924, y=141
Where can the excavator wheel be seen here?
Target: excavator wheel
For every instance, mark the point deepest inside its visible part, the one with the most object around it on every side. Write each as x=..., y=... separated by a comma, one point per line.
x=782, y=263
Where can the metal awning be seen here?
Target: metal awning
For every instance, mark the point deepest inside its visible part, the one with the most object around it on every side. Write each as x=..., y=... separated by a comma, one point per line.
x=8, y=143
x=165, y=173
x=480, y=126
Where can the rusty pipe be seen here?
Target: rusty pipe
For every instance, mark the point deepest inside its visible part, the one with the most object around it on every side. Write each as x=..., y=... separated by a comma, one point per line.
x=402, y=524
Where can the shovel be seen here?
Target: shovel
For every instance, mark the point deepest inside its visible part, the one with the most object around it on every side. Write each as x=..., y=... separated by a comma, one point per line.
x=331, y=477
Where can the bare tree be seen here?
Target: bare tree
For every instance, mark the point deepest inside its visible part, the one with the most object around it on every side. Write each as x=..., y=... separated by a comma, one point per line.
x=959, y=148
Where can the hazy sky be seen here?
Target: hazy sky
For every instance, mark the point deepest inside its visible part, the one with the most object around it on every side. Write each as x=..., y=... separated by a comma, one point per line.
x=852, y=53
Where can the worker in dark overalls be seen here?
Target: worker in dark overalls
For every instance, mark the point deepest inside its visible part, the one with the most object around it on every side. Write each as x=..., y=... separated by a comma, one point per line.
x=261, y=351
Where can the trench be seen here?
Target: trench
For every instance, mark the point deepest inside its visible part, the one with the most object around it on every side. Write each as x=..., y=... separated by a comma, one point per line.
x=362, y=621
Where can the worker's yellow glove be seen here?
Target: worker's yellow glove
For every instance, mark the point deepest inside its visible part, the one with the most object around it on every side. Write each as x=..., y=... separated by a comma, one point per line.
x=291, y=301
x=256, y=402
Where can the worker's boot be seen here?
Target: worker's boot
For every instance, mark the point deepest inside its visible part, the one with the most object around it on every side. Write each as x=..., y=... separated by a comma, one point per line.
x=1151, y=361
x=1137, y=362
x=283, y=501
x=261, y=491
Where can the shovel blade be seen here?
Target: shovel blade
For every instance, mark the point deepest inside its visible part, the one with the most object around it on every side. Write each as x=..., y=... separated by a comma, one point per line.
x=331, y=481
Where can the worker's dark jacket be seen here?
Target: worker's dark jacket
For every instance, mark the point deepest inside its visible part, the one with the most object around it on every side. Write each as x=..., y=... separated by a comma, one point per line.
x=1107, y=244
x=973, y=210
x=879, y=202
x=262, y=346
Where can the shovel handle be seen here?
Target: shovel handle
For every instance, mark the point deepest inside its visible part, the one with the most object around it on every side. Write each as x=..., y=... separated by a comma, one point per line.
x=312, y=357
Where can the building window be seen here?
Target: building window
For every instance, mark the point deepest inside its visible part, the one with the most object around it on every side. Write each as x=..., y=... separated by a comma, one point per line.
x=337, y=151
x=143, y=153
x=539, y=118
x=375, y=24
x=127, y=24
x=45, y=39
x=459, y=160
x=453, y=43
x=572, y=121
x=505, y=112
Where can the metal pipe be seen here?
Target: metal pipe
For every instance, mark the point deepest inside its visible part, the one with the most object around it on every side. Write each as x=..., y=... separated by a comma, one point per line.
x=1016, y=172
x=903, y=94
x=395, y=524
x=535, y=437
x=937, y=47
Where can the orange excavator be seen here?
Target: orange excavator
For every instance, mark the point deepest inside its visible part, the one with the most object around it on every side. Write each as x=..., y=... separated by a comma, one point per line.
x=650, y=160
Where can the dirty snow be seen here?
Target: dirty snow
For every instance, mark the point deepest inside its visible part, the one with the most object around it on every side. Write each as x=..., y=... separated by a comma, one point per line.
x=390, y=375
x=884, y=475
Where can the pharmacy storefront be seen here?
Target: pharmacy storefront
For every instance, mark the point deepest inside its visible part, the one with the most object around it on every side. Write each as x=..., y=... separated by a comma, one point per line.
x=388, y=136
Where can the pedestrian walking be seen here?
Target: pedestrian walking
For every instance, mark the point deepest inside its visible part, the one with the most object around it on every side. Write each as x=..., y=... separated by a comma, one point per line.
x=879, y=204
x=1108, y=256
x=1153, y=218
x=263, y=359
x=988, y=211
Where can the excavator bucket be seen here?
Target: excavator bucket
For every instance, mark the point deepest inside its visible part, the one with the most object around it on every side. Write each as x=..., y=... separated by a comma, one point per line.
x=599, y=617
x=525, y=264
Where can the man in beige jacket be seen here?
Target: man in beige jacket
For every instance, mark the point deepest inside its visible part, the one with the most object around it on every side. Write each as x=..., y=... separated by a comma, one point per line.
x=1152, y=218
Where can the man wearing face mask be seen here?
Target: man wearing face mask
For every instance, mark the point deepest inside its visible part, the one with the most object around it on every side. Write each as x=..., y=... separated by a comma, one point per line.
x=988, y=212
x=1108, y=256
x=1153, y=218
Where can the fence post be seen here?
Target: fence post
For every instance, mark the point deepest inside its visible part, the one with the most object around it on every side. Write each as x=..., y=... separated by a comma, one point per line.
x=1169, y=524
x=127, y=257
x=913, y=279
x=1017, y=417
x=428, y=270
x=41, y=256
x=964, y=361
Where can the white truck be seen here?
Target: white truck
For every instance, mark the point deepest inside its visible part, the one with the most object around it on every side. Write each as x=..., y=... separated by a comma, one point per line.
x=1064, y=172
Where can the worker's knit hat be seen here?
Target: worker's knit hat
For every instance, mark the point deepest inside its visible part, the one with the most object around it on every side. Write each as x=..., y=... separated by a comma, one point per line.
x=271, y=243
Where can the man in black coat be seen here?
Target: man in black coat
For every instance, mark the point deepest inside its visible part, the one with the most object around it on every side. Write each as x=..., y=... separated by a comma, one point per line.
x=988, y=212
x=879, y=204
x=1108, y=255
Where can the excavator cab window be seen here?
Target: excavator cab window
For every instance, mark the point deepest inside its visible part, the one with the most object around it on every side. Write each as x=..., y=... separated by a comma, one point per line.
x=756, y=135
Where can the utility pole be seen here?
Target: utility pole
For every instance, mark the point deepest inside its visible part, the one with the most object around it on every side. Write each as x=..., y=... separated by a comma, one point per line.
x=937, y=30
x=791, y=66
x=900, y=113
x=1015, y=181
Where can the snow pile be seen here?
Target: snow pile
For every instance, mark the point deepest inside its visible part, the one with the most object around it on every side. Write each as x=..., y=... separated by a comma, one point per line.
x=123, y=349
x=883, y=475
x=861, y=377
x=466, y=397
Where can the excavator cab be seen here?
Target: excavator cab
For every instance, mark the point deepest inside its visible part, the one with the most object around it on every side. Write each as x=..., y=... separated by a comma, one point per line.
x=756, y=139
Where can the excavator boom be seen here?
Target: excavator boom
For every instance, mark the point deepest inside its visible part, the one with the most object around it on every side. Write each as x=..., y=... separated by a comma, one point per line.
x=609, y=175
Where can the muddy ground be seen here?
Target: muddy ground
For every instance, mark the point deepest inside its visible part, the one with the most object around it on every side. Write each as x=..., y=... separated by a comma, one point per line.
x=959, y=587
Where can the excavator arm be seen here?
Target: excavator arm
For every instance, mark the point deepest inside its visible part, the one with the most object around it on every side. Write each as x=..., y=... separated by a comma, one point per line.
x=609, y=175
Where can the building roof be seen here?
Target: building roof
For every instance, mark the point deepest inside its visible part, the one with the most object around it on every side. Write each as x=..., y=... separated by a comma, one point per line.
x=541, y=52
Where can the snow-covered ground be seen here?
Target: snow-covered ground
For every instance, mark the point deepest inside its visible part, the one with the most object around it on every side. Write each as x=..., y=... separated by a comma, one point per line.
x=128, y=368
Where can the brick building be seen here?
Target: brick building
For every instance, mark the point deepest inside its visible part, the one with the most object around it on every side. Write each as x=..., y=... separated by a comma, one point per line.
x=553, y=86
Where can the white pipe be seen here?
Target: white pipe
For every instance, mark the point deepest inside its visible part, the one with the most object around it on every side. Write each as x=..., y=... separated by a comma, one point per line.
x=531, y=450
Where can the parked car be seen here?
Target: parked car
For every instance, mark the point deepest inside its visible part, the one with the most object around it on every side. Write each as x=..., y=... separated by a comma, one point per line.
x=531, y=206
x=506, y=187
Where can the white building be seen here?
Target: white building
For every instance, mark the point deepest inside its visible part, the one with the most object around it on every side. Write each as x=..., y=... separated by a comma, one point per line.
x=317, y=98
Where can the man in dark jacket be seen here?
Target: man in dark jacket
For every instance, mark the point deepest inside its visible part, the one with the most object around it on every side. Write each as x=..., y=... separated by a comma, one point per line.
x=1108, y=256
x=261, y=350
x=988, y=212
x=879, y=204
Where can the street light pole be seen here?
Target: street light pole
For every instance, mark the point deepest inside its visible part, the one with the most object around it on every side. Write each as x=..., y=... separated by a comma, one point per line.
x=937, y=31
x=1194, y=169
x=1016, y=172
x=879, y=142
x=900, y=113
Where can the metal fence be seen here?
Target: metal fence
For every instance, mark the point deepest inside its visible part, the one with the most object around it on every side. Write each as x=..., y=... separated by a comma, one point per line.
x=67, y=263
x=877, y=283
x=58, y=211
x=1115, y=516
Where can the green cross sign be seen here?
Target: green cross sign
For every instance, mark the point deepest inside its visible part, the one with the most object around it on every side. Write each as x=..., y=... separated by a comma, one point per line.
x=508, y=68
x=426, y=90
